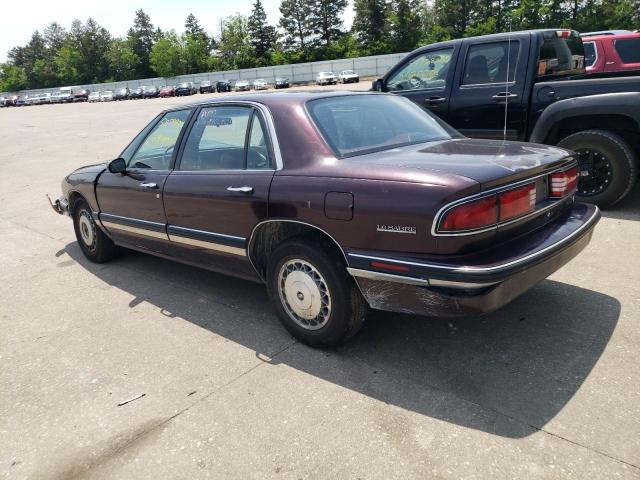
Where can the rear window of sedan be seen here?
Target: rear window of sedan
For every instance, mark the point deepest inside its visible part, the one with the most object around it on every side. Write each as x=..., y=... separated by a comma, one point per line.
x=359, y=124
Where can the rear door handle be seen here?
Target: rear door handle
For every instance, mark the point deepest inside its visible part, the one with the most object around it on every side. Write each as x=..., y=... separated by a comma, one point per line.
x=244, y=189
x=502, y=96
x=149, y=185
x=435, y=100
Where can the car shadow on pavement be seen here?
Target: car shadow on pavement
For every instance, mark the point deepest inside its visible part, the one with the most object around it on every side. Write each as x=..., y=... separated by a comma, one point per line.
x=627, y=209
x=507, y=373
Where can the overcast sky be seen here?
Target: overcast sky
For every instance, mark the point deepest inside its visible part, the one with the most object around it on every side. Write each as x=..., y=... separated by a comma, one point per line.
x=117, y=15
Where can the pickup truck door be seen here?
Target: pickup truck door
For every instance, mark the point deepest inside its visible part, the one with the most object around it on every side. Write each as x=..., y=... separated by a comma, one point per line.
x=219, y=189
x=425, y=77
x=131, y=204
x=481, y=88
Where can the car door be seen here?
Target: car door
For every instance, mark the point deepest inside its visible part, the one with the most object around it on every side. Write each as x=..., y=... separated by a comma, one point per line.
x=425, y=78
x=220, y=188
x=483, y=94
x=130, y=204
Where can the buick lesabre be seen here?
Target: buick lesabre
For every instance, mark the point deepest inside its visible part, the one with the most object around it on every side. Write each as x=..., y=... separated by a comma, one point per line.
x=337, y=202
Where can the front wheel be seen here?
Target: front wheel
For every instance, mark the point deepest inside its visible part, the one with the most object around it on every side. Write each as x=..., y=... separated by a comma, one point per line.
x=316, y=299
x=95, y=245
x=607, y=164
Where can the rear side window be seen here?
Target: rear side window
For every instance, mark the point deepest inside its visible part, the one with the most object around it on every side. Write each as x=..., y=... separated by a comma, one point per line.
x=354, y=125
x=590, y=55
x=628, y=49
x=487, y=63
x=561, y=53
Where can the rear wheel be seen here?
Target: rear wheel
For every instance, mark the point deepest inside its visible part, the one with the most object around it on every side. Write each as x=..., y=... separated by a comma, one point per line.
x=608, y=166
x=95, y=245
x=316, y=299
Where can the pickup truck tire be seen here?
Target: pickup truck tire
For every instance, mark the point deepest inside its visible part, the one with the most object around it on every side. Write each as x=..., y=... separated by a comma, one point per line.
x=614, y=172
x=95, y=245
x=316, y=299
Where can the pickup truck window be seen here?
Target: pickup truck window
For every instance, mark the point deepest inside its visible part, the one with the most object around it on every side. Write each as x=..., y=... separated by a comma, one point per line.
x=590, y=53
x=428, y=70
x=628, y=49
x=561, y=53
x=487, y=63
x=356, y=125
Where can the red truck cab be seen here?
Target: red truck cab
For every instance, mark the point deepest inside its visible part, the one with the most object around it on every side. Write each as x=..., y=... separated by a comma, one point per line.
x=612, y=53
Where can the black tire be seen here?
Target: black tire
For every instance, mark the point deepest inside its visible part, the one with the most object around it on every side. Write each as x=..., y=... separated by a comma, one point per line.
x=610, y=162
x=339, y=319
x=95, y=245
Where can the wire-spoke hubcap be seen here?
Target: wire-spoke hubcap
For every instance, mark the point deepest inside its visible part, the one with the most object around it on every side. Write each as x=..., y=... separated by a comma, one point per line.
x=87, y=229
x=595, y=172
x=304, y=294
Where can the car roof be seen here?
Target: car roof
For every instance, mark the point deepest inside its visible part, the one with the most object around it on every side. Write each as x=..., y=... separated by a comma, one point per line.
x=616, y=36
x=267, y=98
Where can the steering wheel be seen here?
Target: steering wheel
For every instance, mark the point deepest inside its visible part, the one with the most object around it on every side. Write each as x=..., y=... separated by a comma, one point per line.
x=416, y=82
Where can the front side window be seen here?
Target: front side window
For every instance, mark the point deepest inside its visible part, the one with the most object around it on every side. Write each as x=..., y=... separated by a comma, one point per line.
x=488, y=62
x=359, y=124
x=589, y=53
x=428, y=70
x=628, y=49
x=157, y=148
x=226, y=138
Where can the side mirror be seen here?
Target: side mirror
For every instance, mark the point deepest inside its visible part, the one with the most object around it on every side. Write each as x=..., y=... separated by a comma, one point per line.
x=117, y=166
x=377, y=85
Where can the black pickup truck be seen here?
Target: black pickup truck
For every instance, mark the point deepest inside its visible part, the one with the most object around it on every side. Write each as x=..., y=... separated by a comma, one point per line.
x=532, y=86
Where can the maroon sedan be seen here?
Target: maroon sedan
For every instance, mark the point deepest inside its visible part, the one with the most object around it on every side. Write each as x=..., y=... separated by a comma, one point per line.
x=337, y=201
x=168, y=91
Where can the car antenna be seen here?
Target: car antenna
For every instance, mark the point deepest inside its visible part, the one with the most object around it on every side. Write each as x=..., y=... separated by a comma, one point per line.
x=506, y=88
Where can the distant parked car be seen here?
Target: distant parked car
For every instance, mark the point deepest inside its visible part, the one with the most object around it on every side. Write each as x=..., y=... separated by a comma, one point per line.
x=106, y=96
x=45, y=98
x=3, y=102
x=81, y=95
x=94, y=97
x=136, y=93
x=122, y=94
x=21, y=101
x=348, y=76
x=65, y=95
x=281, y=82
x=168, y=91
x=223, y=86
x=185, y=88
x=260, y=84
x=10, y=101
x=326, y=78
x=206, y=87
x=241, y=86
x=612, y=52
x=150, y=91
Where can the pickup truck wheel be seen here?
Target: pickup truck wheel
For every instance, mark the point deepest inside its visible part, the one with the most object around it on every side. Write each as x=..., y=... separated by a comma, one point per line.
x=608, y=167
x=316, y=299
x=95, y=245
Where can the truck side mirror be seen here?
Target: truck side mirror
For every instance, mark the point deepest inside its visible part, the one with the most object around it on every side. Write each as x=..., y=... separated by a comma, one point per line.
x=117, y=166
x=377, y=85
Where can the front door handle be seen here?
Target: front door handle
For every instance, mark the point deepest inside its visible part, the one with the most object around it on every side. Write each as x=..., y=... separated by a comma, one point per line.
x=244, y=189
x=435, y=100
x=502, y=96
x=148, y=185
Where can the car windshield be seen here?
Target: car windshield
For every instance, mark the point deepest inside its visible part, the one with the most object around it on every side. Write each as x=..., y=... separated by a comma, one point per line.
x=348, y=72
x=358, y=124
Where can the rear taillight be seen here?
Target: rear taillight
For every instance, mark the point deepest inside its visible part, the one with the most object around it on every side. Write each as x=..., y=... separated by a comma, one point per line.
x=515, y=203
x=471, y=215
x=563, y=183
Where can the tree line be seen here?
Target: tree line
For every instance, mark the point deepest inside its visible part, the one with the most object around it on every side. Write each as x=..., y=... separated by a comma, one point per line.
x=308, y=30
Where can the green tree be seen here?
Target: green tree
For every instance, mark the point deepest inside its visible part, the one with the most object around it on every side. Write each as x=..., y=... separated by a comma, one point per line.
x=142, y=37
x=123, y=61
x=166, y=58
x=12, y=78
x=405, y=24
x=68, y=64
x=297, y=23
x=55, y=37
x=196, y=53
x=326, y=18
x=235, y=45
x=261, y=35
x=371, y=26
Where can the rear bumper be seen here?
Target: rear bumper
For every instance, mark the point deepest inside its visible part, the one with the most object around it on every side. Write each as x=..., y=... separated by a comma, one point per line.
x=475, y=284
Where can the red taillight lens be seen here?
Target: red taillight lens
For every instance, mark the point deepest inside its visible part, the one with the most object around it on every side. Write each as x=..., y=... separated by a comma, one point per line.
x=517, y=202
x=563, y=183
x=471, y=215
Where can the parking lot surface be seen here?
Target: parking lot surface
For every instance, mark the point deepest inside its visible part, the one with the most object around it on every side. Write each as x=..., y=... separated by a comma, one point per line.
x=547, y=387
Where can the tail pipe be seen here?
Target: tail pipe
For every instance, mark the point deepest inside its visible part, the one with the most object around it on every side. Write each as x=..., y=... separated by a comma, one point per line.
x=60, y=206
